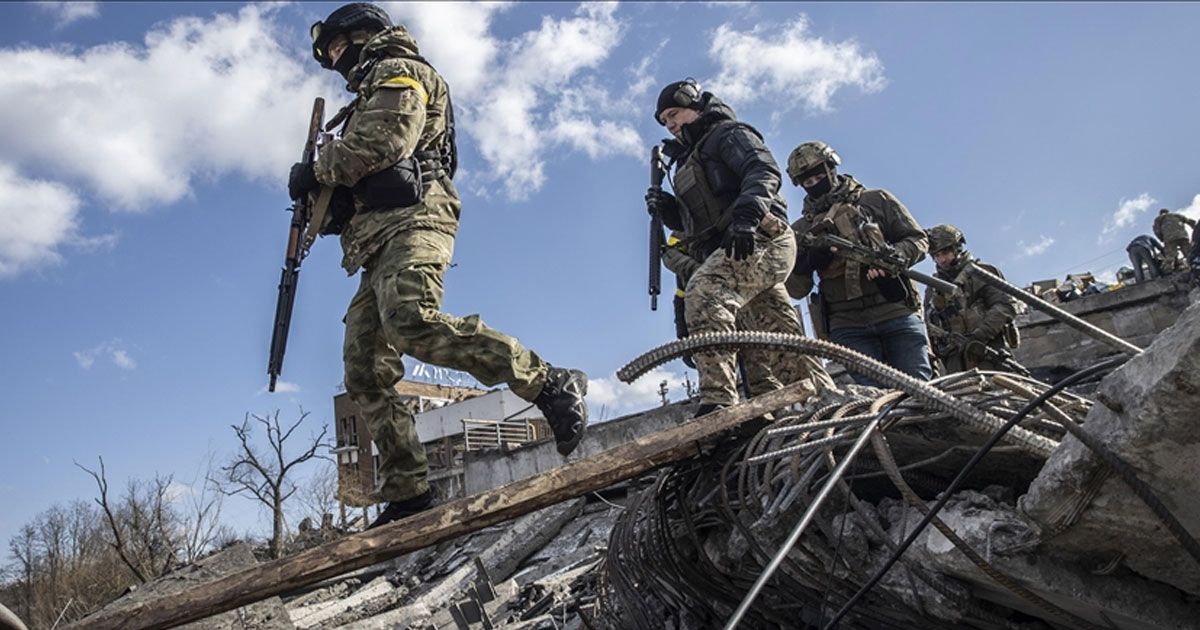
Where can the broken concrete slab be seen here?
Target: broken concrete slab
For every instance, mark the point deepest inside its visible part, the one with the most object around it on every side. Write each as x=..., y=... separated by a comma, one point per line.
x=1148, y=416
x=268, y=614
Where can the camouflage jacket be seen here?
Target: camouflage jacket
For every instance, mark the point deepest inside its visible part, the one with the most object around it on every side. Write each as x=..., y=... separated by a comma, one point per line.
x=401, y=107
x=1170, y=227
x=979, y=312
x=850, y=300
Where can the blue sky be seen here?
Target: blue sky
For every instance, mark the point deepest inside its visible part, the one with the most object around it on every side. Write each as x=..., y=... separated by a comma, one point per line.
x=145, y=150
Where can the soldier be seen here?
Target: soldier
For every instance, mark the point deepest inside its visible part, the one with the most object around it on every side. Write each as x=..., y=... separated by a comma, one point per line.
x=974, y=327
x=401, y=234
x=726, y=204
x=1145, y=253
x=867, y=310
x=1170, y=227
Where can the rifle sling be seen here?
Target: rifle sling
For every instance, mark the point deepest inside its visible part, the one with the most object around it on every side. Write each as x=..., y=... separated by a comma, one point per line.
x=320, y=209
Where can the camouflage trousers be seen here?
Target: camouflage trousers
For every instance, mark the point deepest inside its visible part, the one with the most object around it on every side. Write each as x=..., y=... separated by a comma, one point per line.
x=724, y=295
x=396, y=311
x=1173, y=251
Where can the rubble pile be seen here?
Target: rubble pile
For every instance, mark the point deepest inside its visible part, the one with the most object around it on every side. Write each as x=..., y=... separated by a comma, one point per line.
x=535, y=572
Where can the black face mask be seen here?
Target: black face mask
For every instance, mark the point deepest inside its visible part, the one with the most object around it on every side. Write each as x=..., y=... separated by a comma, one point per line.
x=822, y=187
x=348, y=60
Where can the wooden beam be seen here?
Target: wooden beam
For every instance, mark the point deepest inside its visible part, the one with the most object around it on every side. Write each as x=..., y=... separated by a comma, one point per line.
x=442, y=522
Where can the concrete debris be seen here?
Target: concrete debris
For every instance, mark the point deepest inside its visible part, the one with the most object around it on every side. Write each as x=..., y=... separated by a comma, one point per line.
x=268, y=614
x=544, y=563
x=1148, y=416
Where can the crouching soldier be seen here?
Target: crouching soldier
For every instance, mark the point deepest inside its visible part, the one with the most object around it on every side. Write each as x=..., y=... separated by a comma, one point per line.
x=974, y=327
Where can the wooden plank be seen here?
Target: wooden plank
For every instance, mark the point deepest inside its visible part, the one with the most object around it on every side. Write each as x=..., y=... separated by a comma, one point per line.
x=442, y=522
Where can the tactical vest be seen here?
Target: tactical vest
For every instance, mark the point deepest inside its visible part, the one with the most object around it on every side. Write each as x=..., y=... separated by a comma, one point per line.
x=704, y=216
x=964, y=311
x=852, y=223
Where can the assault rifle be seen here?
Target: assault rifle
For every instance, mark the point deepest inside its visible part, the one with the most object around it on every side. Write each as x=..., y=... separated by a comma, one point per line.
x=889, y=262
x=968, y=346
x=301, y=234
x=657, y=239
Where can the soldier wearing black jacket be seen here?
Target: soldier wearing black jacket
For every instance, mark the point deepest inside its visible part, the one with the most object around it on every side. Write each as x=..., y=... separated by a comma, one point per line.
x=733, y=221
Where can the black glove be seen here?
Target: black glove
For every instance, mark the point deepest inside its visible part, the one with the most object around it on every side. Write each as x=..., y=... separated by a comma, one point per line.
x=739, y=240
x=658, y=200
x=301, y=180
x=816, y=258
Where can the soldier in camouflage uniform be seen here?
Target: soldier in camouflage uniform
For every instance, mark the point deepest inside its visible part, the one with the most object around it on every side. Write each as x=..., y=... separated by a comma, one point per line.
x=1171, y=227
x=733, y=221
x=974, y=327
x=864, y=309
x=787, y=367
x=393, y=164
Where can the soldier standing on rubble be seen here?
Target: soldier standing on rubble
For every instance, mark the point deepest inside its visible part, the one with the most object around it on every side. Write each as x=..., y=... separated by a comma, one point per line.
x=726, y=204
x=1171, y=227
x=401, y=235
x=863, y=309
x=974, y=327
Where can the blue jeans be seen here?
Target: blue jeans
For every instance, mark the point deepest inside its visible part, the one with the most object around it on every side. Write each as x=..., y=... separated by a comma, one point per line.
x=898, y=342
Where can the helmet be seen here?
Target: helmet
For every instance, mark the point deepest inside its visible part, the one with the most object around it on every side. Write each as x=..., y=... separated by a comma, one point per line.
x=809, y=156
x=945, y=236
x=346, y=19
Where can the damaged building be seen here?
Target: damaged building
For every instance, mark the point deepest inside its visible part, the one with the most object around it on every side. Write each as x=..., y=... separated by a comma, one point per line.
x=978, y=500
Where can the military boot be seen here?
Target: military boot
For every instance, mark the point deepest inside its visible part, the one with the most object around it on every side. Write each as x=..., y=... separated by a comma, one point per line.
x=397, y=510
x=561, y=402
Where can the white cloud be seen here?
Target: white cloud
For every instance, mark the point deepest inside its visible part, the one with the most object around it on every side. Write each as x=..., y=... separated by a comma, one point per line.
x=1192, y=210
x=137, y=123
x=786, y=64
x=618, y=398
x=1034, y=249
x=68, y=12
x=1128, y=210
x=522, y=97
x=113, y=349
x=38, y=217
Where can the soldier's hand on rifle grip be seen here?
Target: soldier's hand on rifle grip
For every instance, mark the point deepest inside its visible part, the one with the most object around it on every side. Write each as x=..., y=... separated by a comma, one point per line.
x=301, y=180
x=658, y=200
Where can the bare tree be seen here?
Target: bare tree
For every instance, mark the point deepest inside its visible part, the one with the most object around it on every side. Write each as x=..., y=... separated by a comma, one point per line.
x=266, y=474
x=319, y=495
x=118, y=542
x=201, y=513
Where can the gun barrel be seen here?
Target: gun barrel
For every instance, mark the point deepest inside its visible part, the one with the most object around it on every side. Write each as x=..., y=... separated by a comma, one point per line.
x=657, y=173
x=937, y=283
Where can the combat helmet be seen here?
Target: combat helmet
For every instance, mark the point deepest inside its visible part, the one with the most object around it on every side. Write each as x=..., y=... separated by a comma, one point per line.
x=809, y=156
x=346, y=19
x=945, y=236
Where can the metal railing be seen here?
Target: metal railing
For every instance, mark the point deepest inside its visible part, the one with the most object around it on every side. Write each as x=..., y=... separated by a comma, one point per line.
x=483, y=434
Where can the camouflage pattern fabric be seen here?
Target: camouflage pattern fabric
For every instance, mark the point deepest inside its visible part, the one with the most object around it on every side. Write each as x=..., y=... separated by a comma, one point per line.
x=724, y=295
x=401, y=107
x=1171, y=226
x=1173, y=250
x=978, y=312
x=396, y=312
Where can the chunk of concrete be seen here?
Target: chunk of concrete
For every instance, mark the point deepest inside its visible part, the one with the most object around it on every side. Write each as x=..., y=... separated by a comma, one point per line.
x=1149, y=415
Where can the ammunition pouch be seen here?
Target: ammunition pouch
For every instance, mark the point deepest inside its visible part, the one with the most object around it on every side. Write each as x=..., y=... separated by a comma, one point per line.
x=892, y=288
x=341, y=210
x=402, y=184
